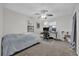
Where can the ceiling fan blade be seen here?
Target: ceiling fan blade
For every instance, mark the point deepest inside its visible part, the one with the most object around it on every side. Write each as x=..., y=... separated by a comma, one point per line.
x=37, y=13
x=49, y=15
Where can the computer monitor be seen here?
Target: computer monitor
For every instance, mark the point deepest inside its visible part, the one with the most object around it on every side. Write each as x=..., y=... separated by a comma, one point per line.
x=53, y=29
x=45, y=28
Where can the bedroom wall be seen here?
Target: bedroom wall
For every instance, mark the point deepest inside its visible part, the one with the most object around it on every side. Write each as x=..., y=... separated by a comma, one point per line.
x=38, y=30
x=64, y=23
x=14, y=22
x=1, y=24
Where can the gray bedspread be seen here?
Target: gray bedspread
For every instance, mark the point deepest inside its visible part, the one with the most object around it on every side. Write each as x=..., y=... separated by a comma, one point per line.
x=12, y=43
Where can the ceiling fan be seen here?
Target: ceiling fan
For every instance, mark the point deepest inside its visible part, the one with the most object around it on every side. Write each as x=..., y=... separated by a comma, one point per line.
x=43, y=14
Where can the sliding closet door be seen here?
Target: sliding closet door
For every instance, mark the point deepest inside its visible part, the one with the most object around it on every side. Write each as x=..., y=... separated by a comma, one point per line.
x=75, y=29
x=73, y=36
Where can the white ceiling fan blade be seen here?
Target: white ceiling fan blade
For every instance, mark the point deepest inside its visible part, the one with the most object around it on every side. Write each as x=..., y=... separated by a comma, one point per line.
x=49, y=14
x=37, y=13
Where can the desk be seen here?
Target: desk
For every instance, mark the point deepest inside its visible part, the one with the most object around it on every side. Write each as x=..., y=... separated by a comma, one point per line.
x=53, y=34
x=47, y=34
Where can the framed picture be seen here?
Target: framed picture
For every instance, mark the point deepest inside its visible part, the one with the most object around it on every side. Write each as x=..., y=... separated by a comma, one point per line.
x=38, y=25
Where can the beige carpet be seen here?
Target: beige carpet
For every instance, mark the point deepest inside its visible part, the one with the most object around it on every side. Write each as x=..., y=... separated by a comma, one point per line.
x=49, y=48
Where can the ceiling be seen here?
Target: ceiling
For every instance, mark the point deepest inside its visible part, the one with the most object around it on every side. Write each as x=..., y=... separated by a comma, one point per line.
x=57, y=9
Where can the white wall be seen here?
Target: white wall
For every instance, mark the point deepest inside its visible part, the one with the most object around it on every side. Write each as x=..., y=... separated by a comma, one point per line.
x=1, y=24
x=63, y=23
x=14, y=22
x=38, y=30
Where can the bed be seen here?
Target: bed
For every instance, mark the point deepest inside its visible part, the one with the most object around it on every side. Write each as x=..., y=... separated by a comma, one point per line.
x=12, y=43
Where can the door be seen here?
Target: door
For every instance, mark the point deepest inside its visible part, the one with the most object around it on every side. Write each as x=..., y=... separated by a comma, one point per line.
x=74, y=29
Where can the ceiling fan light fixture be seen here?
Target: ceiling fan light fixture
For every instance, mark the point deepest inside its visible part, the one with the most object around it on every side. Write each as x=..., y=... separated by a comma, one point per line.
x=43, y=16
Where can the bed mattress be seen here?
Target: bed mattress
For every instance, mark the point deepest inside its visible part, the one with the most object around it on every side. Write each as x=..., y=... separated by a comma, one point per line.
x=12, y=43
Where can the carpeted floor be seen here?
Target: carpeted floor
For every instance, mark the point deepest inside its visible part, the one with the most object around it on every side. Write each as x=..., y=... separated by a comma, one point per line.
x=49, y=48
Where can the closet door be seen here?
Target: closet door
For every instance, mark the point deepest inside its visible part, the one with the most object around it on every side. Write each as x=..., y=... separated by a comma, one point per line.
x=73, y=36
x=75, y=31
